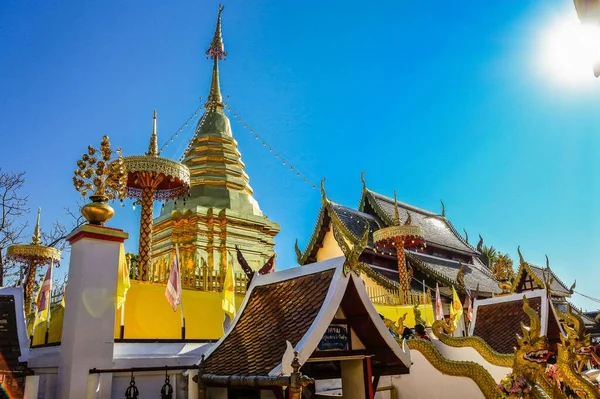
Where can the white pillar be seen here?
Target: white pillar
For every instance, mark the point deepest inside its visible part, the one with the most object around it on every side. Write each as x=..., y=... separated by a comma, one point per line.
x=192, y=386
x=89, y=319
x=353, y=379
x=32, y=385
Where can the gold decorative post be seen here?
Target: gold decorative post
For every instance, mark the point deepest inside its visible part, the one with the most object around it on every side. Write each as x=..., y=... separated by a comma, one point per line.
x=149, y=178
x=33, y=255
x=400, y=236
x=223, y=241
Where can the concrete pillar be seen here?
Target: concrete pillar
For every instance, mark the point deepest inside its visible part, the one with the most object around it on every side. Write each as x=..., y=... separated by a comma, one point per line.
x=88, y=327
x=353, y=379
x=32, y=385
x=192, y=386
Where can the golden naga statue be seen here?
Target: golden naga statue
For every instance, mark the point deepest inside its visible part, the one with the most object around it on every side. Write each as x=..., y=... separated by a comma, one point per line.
x=417, y=313
x=574, y=352
x=532, y=353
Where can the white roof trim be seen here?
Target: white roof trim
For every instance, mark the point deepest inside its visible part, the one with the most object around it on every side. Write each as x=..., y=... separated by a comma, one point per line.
x=312, y=337
x=17, y=293
x=511, y=298
x=402, y=354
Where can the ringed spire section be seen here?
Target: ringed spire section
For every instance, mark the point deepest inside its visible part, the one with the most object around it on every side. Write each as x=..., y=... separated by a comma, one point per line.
x=33, y=255
x=150, y=178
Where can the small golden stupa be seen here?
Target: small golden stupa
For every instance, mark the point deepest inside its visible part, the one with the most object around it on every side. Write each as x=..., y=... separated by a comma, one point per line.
x=33, y=255
x=149, y=178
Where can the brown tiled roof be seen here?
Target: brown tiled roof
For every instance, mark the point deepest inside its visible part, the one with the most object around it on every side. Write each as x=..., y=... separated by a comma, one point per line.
x=499, y=323
x=274, y=313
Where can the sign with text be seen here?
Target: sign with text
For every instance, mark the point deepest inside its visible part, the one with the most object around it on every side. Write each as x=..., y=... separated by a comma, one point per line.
x=334, y=339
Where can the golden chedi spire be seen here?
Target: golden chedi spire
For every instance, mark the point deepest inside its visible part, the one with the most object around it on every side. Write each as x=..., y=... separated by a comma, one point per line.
x=217, y=173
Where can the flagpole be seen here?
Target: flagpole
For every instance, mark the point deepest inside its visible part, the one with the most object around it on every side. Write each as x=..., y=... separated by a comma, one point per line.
x=122, y=329
x=49, y=303
x=181, y=291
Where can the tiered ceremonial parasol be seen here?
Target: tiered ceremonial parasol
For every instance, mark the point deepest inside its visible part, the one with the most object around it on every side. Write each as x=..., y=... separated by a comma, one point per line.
x=33, y=255
x=149, y=178
x=400, y=236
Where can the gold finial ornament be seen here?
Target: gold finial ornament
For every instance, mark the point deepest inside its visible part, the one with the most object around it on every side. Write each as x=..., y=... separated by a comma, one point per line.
x=396, y=211
x=149, y=178
x=324, y=200
x=33, y=255
x=216, y=52
x=364, y=183
x=101, y=173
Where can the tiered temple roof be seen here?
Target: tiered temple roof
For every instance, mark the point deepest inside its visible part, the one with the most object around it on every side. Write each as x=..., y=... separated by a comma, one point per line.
x=446, y=252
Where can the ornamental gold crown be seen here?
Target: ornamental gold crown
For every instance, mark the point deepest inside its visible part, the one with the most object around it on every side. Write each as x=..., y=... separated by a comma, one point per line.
x=101, y=172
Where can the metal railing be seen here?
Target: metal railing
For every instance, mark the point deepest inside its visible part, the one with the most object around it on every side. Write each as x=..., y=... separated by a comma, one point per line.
x=383, y=296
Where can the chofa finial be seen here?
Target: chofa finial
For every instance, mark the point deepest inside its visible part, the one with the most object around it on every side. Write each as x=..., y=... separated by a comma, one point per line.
x=466, y=235
x=324, y=200
x=521, y=260
x=364, y=183
x=443, y=208
x=396, y=211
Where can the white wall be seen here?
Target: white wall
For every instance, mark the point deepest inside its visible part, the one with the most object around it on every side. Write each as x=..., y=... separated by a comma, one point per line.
x=425, y=382
x=470, y=354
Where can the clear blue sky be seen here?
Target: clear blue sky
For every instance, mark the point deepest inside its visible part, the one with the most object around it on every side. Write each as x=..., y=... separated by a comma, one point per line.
x=434, y=99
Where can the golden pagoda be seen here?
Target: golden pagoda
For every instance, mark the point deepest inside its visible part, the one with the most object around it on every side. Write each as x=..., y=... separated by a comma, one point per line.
x=220, y=212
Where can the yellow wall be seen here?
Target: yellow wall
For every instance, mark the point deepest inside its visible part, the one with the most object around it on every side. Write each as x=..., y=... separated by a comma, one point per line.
x=393, y=313
x=55, y=331
x=148, y=315
x=330, y=248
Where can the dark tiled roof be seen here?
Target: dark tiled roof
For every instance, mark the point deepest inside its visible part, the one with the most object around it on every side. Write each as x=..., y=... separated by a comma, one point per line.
x=274, y=313
x=438, y=230
x=356, y=222
x=474, y=274
x=557, y=285
x=561, y=306
x=499, y=323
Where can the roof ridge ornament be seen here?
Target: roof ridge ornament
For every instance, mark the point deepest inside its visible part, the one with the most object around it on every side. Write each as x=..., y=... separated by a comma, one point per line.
x=466, y=235
x=324, y=199
x=396, y=211
x=364, y=183
x=443, y=208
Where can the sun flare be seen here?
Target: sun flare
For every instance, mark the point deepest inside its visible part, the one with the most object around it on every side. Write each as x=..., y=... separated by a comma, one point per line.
x=568, y=50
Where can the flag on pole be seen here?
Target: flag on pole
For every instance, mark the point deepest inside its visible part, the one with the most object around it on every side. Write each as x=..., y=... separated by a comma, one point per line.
x=228, y=293
x=123, y=282
x=439, y=310
x=173, y=291
x=456, y=308
x=62, y=301
x=42, y=302
x=469, y=306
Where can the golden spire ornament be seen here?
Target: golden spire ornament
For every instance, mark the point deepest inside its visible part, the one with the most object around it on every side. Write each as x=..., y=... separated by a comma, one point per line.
x=216, y=52
x=100, y=173
x=33, y=255
x=149, y=178
x=400, y=236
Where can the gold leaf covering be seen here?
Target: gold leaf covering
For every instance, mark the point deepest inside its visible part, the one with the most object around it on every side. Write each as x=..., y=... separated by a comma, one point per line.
x=38, y=253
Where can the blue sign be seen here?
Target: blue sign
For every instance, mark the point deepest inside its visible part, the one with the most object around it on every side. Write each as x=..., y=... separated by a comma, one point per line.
x=335, y=338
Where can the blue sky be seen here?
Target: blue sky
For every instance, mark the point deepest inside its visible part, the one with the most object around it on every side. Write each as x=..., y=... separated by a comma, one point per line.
x=451, y=100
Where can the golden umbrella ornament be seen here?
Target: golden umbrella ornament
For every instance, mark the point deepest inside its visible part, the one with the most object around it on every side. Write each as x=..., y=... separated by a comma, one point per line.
x=400, y=236
x=149, y=178
x=33, y=255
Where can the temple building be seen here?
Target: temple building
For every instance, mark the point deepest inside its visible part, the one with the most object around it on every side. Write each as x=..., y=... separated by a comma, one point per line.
x=445, y=257
x=220, y=212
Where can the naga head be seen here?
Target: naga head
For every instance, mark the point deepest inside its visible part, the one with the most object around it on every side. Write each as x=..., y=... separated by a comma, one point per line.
x=532, y=353
x=577, y=343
